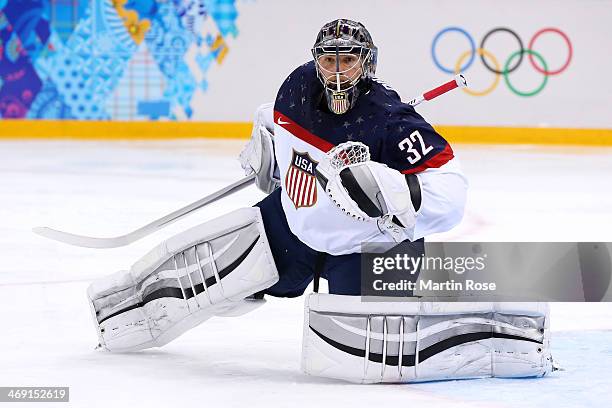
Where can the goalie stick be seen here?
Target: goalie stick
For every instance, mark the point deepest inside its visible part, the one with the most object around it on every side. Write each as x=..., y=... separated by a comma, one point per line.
x=123, y=240
x=458, y=82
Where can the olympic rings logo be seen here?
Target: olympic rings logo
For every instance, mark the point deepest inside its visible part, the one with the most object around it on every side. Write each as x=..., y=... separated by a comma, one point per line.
x=514, y=60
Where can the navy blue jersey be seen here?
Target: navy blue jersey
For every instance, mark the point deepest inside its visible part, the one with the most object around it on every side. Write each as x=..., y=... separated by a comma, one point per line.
x=305, y=130
x=394, y=132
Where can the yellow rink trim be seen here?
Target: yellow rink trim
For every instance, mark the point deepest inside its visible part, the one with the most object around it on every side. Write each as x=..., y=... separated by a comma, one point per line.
x=113, y=130
x=523, y=135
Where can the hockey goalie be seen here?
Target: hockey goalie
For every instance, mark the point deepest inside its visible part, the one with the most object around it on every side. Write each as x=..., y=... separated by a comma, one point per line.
x=344, y=162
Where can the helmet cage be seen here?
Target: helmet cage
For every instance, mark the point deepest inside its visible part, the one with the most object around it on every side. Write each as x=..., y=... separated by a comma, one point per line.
x=338, y=39
x=336, y=75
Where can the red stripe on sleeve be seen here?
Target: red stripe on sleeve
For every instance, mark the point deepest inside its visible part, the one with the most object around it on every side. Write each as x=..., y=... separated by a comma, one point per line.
x=301, y=133
x=436, y=161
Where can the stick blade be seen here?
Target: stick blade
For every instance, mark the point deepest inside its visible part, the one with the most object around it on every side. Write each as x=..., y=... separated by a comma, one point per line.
x=80, y=240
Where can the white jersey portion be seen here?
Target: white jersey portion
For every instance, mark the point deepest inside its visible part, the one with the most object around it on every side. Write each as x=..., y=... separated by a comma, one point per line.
x=444, y=192
x=320, y=224
x=317, y=222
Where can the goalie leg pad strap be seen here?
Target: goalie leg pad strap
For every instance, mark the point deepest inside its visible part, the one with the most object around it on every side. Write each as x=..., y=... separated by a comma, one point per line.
x=382, y=342
x=206, y=271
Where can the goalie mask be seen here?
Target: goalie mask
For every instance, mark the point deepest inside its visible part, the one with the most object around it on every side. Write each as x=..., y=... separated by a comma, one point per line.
x=345, y=57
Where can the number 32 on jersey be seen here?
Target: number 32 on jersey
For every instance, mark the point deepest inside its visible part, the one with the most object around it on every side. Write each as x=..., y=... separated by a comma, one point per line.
x=415, y=147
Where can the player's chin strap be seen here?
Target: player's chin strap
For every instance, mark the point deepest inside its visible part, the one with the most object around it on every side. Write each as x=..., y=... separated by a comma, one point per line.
x=369, y=191
x=383, y=341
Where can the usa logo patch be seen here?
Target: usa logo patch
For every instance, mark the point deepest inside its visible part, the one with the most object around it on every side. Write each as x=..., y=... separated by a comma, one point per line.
x=300, y=180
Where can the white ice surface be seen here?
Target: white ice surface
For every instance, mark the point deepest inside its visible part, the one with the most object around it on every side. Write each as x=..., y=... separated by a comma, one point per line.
x=47, y=337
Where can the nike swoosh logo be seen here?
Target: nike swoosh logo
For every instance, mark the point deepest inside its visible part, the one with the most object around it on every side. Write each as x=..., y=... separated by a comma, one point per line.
x=281, y=122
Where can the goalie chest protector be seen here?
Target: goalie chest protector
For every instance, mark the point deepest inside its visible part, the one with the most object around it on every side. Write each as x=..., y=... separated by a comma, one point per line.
x=305, y=130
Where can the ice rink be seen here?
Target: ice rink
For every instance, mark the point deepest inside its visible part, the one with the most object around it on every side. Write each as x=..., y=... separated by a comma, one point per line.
x=517, y=193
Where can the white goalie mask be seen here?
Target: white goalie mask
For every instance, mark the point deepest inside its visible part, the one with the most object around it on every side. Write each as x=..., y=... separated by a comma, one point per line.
x=344, y=56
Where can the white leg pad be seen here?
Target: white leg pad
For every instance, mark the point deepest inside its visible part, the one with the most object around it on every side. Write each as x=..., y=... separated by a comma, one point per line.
x=206, y=271
x=391, y=342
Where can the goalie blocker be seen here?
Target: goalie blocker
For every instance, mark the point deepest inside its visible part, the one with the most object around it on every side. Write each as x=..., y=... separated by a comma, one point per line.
x=209, y=270
x=394, y=342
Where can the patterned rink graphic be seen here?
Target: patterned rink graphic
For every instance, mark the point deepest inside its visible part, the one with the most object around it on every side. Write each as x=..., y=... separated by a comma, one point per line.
x=103, y=59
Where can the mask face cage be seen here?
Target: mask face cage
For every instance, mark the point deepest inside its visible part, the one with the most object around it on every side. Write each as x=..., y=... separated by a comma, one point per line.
x=340, y=68
x=344, y=54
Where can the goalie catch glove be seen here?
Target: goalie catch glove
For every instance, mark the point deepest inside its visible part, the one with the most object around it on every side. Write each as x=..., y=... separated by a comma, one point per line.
x=370, y=191
x=258, y=155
